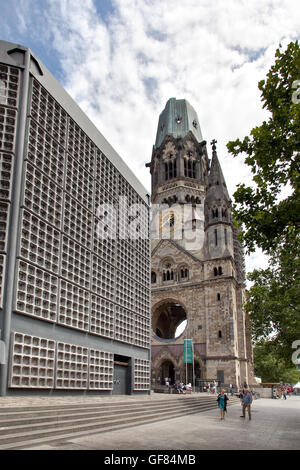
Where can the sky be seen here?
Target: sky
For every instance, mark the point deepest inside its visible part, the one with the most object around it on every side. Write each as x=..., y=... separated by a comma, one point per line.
x=121, y=60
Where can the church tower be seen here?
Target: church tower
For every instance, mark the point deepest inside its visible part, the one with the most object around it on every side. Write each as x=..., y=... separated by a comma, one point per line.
x=198, y=278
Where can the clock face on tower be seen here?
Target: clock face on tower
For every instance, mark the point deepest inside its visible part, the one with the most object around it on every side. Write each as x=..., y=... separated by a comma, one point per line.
x=169, y=220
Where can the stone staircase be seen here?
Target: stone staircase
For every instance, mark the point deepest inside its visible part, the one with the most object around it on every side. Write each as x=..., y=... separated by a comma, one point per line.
x=28, y=426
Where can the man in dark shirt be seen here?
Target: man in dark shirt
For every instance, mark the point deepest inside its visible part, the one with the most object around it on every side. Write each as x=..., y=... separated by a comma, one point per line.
x=246, y=402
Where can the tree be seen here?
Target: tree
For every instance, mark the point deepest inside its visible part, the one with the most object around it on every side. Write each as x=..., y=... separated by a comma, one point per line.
x=273, y=154
x=274, y=300
x=270, y=368
x=268, y=219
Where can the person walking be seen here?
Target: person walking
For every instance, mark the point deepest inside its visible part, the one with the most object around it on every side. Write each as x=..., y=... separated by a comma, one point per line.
x=246, y=403
x=222, y=402
x=284, y=393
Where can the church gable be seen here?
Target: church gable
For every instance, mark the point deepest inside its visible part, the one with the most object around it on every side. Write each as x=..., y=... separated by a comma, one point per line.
x=170, y=263
x=170, y=248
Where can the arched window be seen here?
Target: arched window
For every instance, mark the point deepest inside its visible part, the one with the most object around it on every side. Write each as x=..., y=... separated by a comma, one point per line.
x=218, y=271
x=153, y=277
x=215, y=213
x=224, y=212
x=189, y=165
x=168, y=273
x=170, y=168
x=184, y=273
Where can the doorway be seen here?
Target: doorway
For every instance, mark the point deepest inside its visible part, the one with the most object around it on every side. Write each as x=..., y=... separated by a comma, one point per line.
x=167, y=371
x=122, y=369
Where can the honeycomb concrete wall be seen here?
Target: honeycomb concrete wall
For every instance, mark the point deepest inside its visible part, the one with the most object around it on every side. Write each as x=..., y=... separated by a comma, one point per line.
x=73, y=292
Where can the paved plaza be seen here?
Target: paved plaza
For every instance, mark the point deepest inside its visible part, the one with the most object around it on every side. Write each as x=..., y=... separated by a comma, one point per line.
x=275, y=425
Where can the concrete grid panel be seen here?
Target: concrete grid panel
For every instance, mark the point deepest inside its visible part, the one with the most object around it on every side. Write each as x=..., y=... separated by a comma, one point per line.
x=71, y=366
x=6, y=171
x=4, y=220
x=142, y=331
x=101, y=370
x=8, y=120
x=103, y=278
x=48, y=113
x=46, y=364
x=32, y=362
x=124, y=325
x=39, y=243
x=77, y=222
x=81, y=147
x=75, y=263
x=73, y=306
x=45, y=153
x=36, y=292
x=42, y=197
x=141, y=374
x=102, y=317
x=79, y=183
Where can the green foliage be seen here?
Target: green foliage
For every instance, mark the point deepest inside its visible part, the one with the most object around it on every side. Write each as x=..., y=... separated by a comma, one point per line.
x=270, y=367
x=272, y=153
x=270, y=220
x=274, y=299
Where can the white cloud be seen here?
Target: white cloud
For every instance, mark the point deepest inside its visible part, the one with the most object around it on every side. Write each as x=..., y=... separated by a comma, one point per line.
x=257, y=260
x=122, y=71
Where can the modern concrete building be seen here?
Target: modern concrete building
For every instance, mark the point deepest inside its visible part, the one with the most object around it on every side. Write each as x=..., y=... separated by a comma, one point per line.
x=197, y=262
x=74, y=248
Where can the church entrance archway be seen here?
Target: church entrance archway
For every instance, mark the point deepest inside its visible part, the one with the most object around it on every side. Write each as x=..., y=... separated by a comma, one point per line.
x=167, y=371
x=168, y=320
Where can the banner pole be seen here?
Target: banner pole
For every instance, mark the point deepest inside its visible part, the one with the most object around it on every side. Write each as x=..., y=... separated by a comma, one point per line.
x=193, y=368
x=186, y=361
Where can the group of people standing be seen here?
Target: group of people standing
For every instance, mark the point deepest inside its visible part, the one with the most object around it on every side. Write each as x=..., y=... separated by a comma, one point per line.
x=210, y=387
x=246, y=401
x=180, y=387
x=282, y=392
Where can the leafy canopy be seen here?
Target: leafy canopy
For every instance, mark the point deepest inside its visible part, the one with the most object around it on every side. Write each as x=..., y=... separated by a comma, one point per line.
x=273, y=154
x=271, y=368
x=269, y=219
x=274, y=300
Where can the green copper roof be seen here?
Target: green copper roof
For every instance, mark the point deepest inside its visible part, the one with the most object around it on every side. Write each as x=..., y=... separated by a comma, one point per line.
x=177, y=119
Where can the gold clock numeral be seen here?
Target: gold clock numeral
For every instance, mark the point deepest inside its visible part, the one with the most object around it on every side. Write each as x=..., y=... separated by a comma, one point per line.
x=168, y=221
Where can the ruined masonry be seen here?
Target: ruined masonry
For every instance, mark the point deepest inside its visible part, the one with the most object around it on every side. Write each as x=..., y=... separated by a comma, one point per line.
x=198, y=272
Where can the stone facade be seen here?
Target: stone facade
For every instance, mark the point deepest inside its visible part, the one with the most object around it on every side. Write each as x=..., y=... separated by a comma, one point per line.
x=197, y=262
